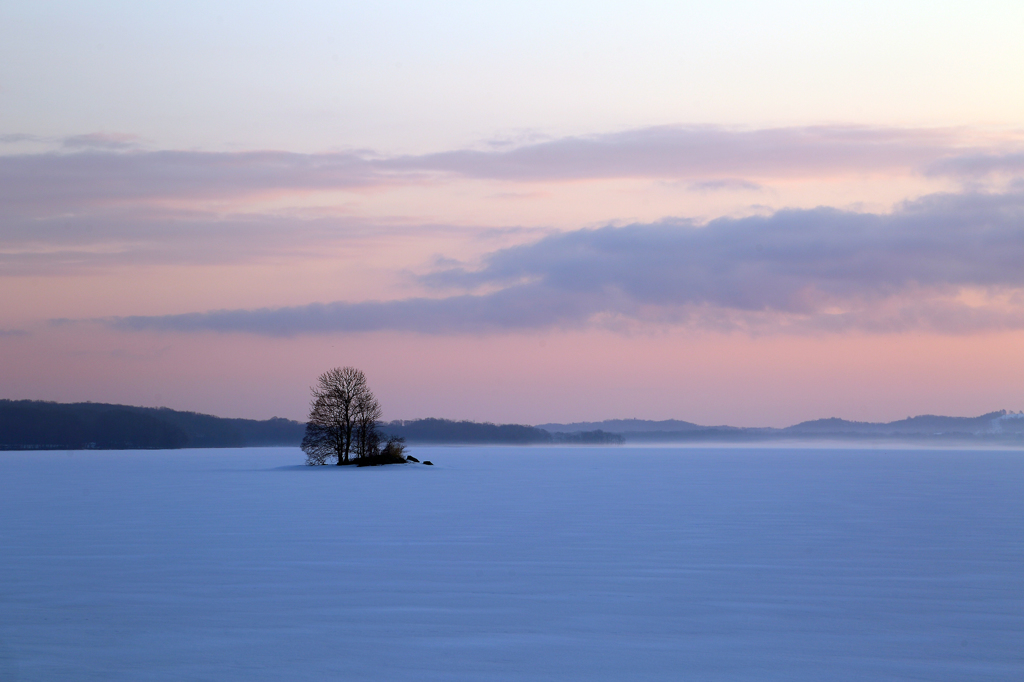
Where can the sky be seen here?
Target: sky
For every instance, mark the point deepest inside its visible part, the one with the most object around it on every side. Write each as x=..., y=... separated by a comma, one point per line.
x=748, y=213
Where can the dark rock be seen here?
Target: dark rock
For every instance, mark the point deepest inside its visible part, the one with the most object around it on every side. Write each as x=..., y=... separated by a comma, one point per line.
x=411, y=458
x=428, y=462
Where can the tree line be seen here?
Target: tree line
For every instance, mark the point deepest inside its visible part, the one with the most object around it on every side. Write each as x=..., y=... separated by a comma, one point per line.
x=447, y=431
x=41, y=425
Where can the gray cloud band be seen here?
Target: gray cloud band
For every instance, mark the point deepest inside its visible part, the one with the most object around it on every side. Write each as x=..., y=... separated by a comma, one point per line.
x=811, y=269
x=979, y=165
x=513, y=308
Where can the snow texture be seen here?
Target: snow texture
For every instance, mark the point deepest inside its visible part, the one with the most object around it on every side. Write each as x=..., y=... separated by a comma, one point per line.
x=513, y=564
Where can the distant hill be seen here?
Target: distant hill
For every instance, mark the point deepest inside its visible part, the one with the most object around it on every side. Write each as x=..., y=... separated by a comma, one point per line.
x=446, y=431
x=464, y=432
x=998, y=426
x=993, y=422
x=624, y=426
x=38, y=425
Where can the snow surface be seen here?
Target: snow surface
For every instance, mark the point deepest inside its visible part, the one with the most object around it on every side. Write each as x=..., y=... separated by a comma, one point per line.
x=513, y=564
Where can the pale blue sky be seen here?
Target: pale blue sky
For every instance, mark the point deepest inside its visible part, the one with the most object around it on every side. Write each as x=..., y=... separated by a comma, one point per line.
x=414, y=77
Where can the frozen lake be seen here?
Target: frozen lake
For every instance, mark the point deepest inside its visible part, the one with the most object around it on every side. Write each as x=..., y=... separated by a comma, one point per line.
x=513, y=564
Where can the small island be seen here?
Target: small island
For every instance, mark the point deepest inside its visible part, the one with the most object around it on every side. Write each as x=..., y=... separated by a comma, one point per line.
x=343, y=423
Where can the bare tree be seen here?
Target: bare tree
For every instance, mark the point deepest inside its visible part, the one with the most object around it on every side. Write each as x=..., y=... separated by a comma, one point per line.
x=340, y=398
x=367, y=415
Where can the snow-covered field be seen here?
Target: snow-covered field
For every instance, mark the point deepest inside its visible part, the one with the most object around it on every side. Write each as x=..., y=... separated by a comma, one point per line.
x=513, y=564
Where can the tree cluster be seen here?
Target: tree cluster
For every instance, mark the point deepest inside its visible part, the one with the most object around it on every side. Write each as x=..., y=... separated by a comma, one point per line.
x=344, y=420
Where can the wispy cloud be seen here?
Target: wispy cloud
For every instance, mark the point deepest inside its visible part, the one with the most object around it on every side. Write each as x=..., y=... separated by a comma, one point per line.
x=822, y=269
x=51, y=183
x=15, y=138
x=725, y=184
x=691, y=152
x=508, y=309
x=979, y=165
x=107, y=141
x=66, y=244
x=106, y=169
x=104, y=141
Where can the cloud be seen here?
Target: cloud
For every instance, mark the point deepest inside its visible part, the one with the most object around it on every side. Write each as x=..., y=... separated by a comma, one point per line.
x=94, y=141
x=65, y=244
x=821, y=269
x=516, y=308
x=694, y=152
x=15, y=138
x=107, y=141
x=979, y=165
x=109, y=169
x=11, y=333
x=726, y=184
x=47, y=184
x=774, y=261
x=109, y=203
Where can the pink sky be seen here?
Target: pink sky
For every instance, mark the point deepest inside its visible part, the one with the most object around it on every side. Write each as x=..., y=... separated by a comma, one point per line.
x=734, y=312
x=651, y=257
